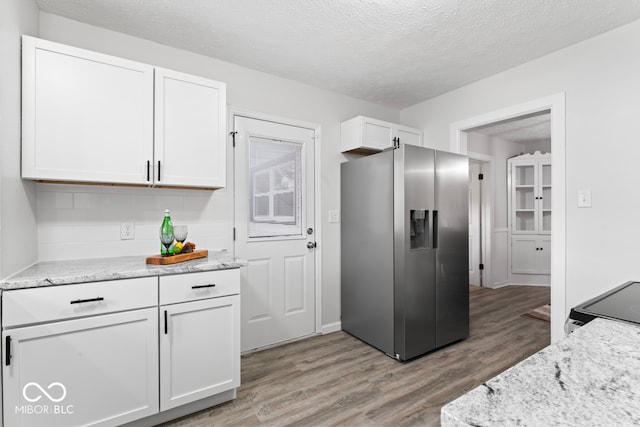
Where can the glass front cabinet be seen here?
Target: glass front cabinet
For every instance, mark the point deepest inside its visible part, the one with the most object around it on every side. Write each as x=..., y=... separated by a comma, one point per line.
x=530, y=213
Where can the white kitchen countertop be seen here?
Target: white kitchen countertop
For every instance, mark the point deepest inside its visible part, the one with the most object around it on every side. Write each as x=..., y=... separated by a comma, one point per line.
x=51, y=273
x=589, y=378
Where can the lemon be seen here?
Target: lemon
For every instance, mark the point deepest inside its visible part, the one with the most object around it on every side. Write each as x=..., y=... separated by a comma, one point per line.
x=177, y=248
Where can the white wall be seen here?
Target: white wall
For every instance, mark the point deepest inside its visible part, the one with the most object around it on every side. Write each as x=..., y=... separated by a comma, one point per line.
x=18, y=246
x=544, y=146
x=600, y=80
x=93, y=222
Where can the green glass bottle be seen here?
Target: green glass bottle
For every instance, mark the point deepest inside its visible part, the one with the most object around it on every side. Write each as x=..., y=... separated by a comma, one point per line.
x=166, y=234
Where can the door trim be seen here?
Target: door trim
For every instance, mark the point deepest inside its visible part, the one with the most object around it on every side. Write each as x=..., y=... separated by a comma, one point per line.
x=487, y=201
x=556, y=105
x=232, y=113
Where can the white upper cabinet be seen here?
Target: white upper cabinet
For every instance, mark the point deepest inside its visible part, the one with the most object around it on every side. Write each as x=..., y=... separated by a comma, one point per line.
x=367, y=135
x=85, y=116
x=90, y=117
x=189, y=130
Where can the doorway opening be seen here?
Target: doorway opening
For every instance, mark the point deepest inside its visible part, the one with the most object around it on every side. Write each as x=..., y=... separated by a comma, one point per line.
x=479, y=218
x=497, y=239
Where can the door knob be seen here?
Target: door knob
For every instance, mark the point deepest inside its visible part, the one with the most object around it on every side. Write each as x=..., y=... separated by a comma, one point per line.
x=311, y=245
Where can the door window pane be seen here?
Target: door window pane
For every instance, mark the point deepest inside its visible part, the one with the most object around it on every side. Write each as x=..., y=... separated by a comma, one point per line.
x=275, y=196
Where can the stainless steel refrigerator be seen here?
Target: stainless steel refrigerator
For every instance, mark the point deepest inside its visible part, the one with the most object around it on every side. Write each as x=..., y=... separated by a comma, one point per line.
x=405, y=250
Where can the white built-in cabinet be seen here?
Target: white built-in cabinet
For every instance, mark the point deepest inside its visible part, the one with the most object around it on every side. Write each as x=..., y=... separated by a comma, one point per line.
x=109, y=353
x=367, y=135
x=196, y=359
x=90, y=117
x=530, y=213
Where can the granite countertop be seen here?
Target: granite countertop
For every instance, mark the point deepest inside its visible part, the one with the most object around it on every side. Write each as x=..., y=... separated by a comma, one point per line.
x=589, y=378
x=51, y=273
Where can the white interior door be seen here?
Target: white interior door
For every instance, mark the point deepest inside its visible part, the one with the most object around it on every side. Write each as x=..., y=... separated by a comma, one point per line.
x=475, y=226
x=275, y=230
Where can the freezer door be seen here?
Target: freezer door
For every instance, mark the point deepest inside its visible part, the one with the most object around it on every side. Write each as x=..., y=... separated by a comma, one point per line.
x=414, y=253
x=452, y=247
x=366, y=201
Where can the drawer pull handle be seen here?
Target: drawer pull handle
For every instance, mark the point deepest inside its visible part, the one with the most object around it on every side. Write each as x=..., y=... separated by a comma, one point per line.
x=80, y=301
x=7, y=349
x=211, y=285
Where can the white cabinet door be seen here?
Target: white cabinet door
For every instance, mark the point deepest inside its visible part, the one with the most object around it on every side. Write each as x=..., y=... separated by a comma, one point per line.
x=544, y=255
x=190, y=140
x=199, y=350
x=100, y=370
x=531, y=255
x=85, y=116
x=376, y=134
x=524, y=254
x=409, y=135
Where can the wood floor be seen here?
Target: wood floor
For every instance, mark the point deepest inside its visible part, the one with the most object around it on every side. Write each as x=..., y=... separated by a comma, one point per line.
x=336, y=379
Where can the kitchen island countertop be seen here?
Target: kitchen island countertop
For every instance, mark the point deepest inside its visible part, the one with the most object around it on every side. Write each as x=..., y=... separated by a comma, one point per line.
x=51, y=273
x=589, y=378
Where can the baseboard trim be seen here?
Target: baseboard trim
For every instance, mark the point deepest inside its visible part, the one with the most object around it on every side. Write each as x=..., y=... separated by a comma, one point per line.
x=497, y=285
x=331, y=327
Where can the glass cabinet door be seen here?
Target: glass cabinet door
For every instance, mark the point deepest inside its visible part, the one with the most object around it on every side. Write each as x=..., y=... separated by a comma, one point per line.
x=524, y=198
x=531, y=197
x=544, y=208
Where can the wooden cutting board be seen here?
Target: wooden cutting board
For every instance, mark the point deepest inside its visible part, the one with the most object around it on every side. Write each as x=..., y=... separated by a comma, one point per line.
x=165, y=260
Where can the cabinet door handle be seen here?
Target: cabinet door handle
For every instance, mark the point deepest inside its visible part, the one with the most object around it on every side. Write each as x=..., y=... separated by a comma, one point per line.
x=211, y=285
x=158, y=170
x=148, y=170
x=7, y=350
x=80, y=301
x=166, y=323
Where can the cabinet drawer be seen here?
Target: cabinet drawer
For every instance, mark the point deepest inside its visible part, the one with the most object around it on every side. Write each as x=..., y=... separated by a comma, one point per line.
x=195, y=286
x=27, y=306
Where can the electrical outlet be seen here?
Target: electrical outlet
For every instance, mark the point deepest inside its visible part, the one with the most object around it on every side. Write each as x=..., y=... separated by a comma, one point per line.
x=127, y=231
x=334, y=216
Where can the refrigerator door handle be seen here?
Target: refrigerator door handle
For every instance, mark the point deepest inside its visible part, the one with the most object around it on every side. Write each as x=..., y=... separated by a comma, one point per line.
x=434, y=234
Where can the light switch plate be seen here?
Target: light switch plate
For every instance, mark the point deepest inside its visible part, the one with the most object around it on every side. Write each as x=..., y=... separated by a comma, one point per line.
x=584, y=198
x=334, y=216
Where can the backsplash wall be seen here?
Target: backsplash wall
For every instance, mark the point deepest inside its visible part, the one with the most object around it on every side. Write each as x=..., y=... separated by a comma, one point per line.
x=76, y=221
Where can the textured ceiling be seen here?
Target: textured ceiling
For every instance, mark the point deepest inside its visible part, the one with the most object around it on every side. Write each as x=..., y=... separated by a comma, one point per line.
x=534, y=128
x=391, y=52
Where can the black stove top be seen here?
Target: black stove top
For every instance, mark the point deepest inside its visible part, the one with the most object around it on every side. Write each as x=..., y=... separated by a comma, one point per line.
x=621, y=303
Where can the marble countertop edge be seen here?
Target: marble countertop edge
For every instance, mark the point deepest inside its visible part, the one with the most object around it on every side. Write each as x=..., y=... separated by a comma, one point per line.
x=53, y=273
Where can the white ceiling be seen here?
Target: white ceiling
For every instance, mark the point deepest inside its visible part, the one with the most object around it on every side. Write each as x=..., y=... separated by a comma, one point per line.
x=533, y=128
x=391, y=52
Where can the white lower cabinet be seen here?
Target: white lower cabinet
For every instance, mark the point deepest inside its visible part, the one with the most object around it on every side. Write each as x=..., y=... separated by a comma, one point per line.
x=99, y=371
x=531, y=254
x=111, y=353
x=199, y=350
